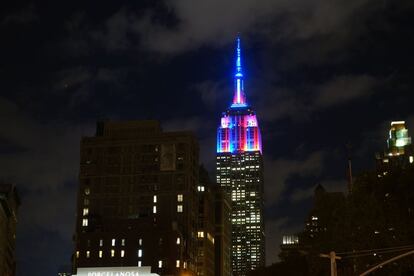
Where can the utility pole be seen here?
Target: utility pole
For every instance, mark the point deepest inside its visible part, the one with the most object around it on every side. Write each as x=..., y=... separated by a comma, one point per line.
x=332, y=256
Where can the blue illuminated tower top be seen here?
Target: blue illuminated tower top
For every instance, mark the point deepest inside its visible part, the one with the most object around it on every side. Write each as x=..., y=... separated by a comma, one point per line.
x=239, y=99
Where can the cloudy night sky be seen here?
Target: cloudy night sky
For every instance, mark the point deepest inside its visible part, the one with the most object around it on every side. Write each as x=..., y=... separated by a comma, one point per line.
x=319, y=73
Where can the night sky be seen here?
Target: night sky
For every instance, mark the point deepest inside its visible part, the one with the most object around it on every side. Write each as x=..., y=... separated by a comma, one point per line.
x=319, y=73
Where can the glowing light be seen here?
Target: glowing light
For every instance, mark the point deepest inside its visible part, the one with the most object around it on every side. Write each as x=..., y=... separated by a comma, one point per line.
x=238, y=130
x=397, y=123
x=401, y=142
x=239, y=99
x=243, y=136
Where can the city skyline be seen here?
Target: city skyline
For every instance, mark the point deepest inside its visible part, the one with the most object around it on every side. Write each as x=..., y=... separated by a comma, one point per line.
x=321, y=74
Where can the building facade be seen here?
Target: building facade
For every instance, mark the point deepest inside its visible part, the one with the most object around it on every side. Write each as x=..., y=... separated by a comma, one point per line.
x=222, y=236
x=205, y=226
x=137, y=200
x=9, y=203
x=240, y=173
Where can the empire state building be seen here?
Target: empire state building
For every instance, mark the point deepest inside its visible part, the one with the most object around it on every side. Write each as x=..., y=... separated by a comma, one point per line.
x=240, y=173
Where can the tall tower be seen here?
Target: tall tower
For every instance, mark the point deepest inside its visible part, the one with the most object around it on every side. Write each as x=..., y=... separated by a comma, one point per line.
x=240, y=173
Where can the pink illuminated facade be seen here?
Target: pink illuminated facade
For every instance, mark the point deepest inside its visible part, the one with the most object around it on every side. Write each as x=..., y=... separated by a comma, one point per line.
x=240, y=173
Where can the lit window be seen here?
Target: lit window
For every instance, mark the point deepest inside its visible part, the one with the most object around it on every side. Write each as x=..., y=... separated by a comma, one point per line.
x=139, y=263
x=159, y=264
x=139, y=253
x=123, y=242
x=178, y=240
x=200, y=188
x=210, y=238
x=154, y=199
x=100, y=253
x=85, y=211
x=154, y=209
x=140, y=241
x=411, y=159
x=87, y=191
x=122, y=253
x=180, y=198
x=113, y=242
x=101, y=242
x=185, y=265
x=177, y=263
x=179, y=208
x=112, y=253
x=85, y=222
x=77, y=254
x=200, y=234
x=88, y=254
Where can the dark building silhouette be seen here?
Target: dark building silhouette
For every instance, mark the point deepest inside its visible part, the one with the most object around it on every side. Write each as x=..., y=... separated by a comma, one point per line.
x=222, y=238
x=289, y=247
x=205, y=226
x=138, y=198
x=399, y=153
x=240, y=173
x=9, y=203
x=321, y=214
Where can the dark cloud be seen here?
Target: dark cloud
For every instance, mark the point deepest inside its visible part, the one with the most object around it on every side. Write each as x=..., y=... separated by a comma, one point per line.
x=278, y=171
x=343, y=89
x=217, y=22
x=301, y=101
x=24, y=16
x=45, y=172
x=211, y=92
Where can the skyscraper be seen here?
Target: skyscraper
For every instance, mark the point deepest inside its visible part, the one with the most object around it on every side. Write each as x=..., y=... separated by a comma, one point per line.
x=137, y=200
x=399, y=153
x=240, y=173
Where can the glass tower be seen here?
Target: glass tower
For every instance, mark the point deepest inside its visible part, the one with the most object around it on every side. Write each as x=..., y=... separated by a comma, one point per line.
x=240, y=173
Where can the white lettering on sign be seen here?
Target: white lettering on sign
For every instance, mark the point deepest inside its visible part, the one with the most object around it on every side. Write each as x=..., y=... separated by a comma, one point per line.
x=115, y=271
x=108, y=273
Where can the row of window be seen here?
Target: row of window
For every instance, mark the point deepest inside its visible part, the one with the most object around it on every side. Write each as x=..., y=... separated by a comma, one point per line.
x=100, y=253
x=122, y=254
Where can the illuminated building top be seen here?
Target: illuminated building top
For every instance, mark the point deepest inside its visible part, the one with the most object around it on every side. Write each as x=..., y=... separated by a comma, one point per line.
x=398, y=138
x=238, y=130
x=239, y=99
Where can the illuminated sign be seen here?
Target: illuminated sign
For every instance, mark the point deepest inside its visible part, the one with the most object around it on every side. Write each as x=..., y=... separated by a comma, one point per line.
x=115, y=271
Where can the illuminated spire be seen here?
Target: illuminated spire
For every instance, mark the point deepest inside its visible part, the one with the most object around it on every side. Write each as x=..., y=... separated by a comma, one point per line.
x=239, y=72
x=239, y=99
